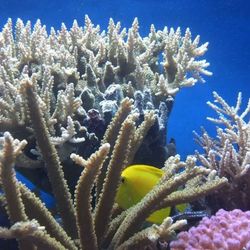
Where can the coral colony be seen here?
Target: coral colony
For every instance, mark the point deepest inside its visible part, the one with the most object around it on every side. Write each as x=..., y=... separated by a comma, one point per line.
x=79, y=105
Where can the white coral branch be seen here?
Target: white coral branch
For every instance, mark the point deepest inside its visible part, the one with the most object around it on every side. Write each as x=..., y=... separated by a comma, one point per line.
x=68, y=134
x=229, y=152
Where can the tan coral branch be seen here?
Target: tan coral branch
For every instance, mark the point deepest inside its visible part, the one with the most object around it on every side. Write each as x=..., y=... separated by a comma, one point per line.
x=110, y=137
x=55, y=173
x=34, y=208
x=84, y=187
x=15, y=206
x=31, y=231
x=117, y=163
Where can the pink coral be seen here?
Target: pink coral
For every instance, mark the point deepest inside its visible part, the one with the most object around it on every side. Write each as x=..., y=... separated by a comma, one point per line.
x=223, y=231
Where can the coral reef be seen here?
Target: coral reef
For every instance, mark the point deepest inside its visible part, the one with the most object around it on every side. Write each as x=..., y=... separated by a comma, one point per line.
x=99, y=228
x=82, y=74
x=228, y=154
x=225, y=230
x=77, y=107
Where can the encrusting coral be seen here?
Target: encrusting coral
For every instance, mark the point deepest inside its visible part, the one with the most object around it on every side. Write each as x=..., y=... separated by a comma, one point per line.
x=84, y=97
x=225, y=230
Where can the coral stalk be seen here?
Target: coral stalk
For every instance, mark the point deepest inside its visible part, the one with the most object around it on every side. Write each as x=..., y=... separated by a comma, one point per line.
x=34, y=208
x=51, y=159
x=84, y=187
x=32, y=232
x=117, y=163
x=15, y=206
x=111, y=135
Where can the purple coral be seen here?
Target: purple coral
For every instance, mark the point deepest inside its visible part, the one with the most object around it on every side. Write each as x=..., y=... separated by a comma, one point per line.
x=223, y=231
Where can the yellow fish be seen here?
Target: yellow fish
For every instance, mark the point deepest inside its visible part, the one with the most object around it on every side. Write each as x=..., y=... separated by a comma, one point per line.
x=137, y=181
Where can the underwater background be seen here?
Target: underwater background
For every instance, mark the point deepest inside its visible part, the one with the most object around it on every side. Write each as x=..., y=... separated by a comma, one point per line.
x=224, y=24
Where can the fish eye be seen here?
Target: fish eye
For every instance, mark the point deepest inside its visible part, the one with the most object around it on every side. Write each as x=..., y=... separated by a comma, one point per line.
x=122, y=179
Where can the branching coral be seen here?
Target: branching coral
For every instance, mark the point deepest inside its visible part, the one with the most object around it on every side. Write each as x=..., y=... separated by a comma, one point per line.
x=93, y=61
x=83, y=71
x=229, y=153
x=180, y=54
x=34, y=232
x=98, y=229
x=197, y=181
x=15, y=209
x=98, y=100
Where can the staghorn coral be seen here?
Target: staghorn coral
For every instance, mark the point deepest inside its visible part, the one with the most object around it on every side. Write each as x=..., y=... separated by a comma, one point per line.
x=33, y=231
x=100, y=100
x=101, y=66
x=15, y=209
x=228, y=153
x=96, y=227
x=81, y=75
x=225, y=230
